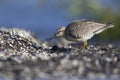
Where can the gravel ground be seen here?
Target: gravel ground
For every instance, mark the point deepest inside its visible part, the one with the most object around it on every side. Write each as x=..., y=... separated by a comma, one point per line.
x=99, y=61
x=22, y=58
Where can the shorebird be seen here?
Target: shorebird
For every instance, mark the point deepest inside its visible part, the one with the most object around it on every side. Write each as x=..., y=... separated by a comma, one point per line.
x=81, y=31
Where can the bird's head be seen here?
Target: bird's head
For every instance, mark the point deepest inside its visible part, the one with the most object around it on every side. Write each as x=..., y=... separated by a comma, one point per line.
x=59, y=33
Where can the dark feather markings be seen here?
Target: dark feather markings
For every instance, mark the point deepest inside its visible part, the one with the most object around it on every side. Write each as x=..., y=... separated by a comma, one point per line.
x=73, y=36
x=58, y=32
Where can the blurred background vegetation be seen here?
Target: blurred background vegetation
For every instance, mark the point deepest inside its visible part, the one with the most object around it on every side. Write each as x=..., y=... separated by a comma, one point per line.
x=43, y=17
x=97, y=10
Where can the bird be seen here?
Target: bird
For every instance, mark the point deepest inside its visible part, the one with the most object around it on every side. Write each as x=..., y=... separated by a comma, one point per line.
x=81, y=31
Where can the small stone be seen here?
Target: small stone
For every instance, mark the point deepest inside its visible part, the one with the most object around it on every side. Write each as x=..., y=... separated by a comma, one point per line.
x=75, y=62
x=110, y=46
x=108, y=59
x=81, y=69
x=66, y=63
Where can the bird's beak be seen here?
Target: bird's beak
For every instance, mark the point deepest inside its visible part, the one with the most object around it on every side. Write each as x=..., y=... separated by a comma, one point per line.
x=51, y=38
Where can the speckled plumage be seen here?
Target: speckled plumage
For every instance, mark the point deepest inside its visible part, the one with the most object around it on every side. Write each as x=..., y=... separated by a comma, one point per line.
x=82, y=30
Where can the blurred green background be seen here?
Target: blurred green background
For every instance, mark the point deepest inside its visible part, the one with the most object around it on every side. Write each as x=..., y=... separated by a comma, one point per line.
x=97, y=10
x=43, y=17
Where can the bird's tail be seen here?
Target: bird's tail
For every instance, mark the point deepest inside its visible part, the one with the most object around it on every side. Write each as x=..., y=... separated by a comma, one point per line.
x=109, y=25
